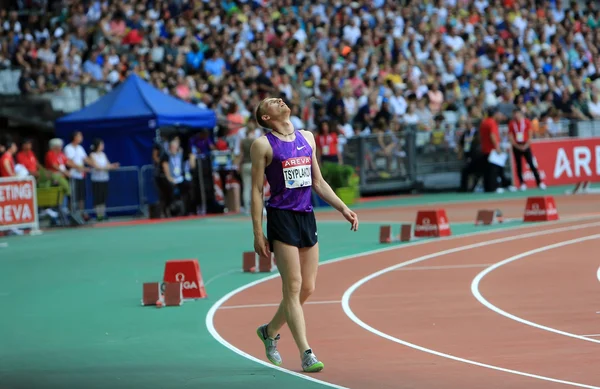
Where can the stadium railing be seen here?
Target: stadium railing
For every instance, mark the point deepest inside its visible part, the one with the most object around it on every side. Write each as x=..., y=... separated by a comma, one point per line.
x=149, y=194
x=427, y=160
x=124, y=192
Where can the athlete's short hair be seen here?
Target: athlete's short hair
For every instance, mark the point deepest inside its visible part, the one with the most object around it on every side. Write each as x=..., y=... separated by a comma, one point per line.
x=260, y=111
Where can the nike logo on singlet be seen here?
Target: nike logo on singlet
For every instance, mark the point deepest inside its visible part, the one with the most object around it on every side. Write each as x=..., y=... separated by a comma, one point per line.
x=300, y=148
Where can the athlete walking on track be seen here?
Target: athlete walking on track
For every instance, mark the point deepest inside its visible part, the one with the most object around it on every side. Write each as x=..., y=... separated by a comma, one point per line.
x=287, y=158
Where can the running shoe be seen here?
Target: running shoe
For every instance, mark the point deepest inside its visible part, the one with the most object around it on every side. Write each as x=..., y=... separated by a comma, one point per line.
x=270, y=345
x=310, y=363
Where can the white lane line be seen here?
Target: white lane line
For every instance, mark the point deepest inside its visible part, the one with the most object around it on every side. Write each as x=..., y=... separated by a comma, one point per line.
x=223, y=274
x=598, y=274
x=210, y=316
x=348, y=294
x=593, y=335
x=444, y=267
x=277, y=304
x=477, y=281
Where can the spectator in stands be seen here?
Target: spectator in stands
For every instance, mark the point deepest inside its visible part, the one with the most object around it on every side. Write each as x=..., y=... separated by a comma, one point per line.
x=100, y=177
x=594, y=106
x=27, y=158
x=442, y=55
x=7, y=160
x=77, y=159
x=520, y=135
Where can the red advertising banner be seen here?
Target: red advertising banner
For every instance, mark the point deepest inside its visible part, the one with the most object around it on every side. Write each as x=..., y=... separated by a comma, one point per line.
x=563, y=161
x=18, y=203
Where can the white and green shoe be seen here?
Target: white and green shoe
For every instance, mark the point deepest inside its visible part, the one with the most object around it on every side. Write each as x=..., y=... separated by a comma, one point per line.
x=310, y=363
x=270, y=345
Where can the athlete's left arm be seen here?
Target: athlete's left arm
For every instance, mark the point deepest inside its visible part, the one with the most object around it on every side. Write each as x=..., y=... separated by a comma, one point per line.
x=324, y=190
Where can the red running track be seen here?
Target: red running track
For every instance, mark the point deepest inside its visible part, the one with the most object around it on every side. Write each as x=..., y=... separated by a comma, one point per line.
x=429, y=304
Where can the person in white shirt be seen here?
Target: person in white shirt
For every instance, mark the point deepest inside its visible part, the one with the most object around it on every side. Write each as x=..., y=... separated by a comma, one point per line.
x=594, y=107
x=77, y=158
x=100, y=177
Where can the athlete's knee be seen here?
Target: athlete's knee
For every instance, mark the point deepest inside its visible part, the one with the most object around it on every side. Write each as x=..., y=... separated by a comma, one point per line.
x=292, y=288
x=306, y=291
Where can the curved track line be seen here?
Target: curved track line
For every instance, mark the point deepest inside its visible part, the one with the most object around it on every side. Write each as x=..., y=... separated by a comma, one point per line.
x=477, y=280
x=210, y=316
x=348, y=311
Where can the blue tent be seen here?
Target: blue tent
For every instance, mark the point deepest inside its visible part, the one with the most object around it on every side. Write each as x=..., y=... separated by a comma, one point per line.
x=127, y=119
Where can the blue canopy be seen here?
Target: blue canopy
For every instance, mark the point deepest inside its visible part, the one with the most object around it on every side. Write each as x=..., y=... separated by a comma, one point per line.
x=135, y=105
x=126, y=119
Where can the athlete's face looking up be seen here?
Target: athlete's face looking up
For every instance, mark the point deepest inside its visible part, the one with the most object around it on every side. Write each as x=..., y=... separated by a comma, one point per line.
x=275, y=109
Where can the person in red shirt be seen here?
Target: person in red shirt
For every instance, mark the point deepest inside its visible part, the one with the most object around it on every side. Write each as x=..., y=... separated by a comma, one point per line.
x=56, y=164
x=490, y=141
x=27, y=158
x=327, y=145
x=7, y=161
x=520, y=135
x=55, y=161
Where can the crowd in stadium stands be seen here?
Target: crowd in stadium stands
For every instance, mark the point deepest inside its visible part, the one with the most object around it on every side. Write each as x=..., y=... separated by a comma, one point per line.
x=361, y=64
x=349, y=67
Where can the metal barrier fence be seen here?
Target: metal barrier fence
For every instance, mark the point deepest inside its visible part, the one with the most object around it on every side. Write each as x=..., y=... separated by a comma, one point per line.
x=407, y=160
x=121, y=193
x=587, y=129
x=148, y=189
x=149, y=192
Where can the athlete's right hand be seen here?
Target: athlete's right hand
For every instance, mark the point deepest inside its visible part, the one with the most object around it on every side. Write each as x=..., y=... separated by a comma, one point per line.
x=261, y=246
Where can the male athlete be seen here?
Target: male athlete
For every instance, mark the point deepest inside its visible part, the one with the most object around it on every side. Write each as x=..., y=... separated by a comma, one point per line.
x=287, y=158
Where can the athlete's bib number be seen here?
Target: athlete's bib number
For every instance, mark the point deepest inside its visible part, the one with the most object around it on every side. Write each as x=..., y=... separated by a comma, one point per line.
x=325, y=150
x=297, y=172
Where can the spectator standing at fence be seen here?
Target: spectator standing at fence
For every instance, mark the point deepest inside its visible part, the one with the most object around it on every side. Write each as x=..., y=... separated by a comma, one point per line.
x=469, y=151
x=77, y=158
x=489, y=136
x=202, y=145
x=174, y=188
x=520, y=134
x=7, y=160
x=55, y=163
x=245, y=163
x=327, y=144
x=100, y=177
